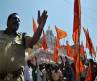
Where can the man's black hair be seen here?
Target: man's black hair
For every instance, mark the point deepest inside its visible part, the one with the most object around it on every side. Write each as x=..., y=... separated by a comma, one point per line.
x=9, y=17
x=12, y=14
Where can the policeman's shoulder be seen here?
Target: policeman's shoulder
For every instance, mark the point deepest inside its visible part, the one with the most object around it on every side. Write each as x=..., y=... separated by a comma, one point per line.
x=23, y=34
x=1, y=31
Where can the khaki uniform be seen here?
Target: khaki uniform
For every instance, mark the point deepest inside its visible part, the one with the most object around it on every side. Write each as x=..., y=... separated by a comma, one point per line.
x=12, y=57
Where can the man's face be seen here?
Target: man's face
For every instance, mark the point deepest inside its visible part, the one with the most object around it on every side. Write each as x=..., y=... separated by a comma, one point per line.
x=13, y=23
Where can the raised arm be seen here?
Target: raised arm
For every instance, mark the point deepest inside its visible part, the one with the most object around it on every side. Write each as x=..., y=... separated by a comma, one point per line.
x=41, y=22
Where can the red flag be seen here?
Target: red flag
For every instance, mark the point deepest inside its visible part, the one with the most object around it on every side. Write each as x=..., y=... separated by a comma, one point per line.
x=77, y=21
x=89, y=44
x=60, y=33
x=69, y=50
x=44, y=41
x=34, y=26
x=82, y=51
x=89, y=74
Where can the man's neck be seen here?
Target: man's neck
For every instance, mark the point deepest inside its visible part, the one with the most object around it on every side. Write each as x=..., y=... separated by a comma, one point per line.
x=9, y=32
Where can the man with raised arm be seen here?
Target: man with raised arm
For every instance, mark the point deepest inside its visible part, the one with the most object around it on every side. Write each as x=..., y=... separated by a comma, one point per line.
x=13, y=45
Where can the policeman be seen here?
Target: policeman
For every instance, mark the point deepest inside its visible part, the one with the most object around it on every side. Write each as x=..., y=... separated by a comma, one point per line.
x=13, y=45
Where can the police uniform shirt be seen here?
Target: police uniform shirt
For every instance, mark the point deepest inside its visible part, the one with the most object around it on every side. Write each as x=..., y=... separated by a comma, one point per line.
x=12, y=52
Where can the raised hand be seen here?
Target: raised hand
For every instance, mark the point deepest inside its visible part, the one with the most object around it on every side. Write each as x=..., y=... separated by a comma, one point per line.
x=41, y=22
x=42, y=18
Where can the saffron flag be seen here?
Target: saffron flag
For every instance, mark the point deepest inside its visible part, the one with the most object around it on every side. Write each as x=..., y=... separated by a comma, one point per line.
x=60, y=33
x=57, y=42
x=77, y=21
x=82, y=51
x=82, y=68
x=89, y=74
x=89, y=44
x=55, y=54
x=76, y=68
x=44, y=41
x=34, y=26
x=78, y=65
x=69, y=50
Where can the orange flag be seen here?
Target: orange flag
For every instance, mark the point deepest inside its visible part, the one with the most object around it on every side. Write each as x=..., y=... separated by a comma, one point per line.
x=55, y=54
x=82, y=68
x=56, y=51
x=77, y=21
x=57, y=42
x=76, y=34
x=89, y=44
x=82, y=51
x=69, y=50
x=34, y=26
x=76, y=67
x=60, y=33
x=89, y=74
x=44, y=41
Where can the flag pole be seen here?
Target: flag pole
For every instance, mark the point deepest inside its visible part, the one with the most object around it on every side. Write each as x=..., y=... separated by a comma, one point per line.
x=79, y=32
x=79, y=49
x=79, y=41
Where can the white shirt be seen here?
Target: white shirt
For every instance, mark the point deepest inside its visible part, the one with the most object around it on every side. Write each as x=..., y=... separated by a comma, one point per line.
x=28, y=73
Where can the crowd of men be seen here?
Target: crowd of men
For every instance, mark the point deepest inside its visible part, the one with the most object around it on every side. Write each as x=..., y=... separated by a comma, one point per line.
x=64, y=71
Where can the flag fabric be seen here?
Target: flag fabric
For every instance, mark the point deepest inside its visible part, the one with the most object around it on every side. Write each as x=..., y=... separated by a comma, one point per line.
x=57, y=42
x=77, y=65
x=55, y=56
x=89, y=74
x=89, y=44
x=82, y=51
x=77, y=21
x=69, y=50
x=77, y=68
x=82, y=68
x=44, y=41
x=60, y=33
x=76, y=35
x=34, y=26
